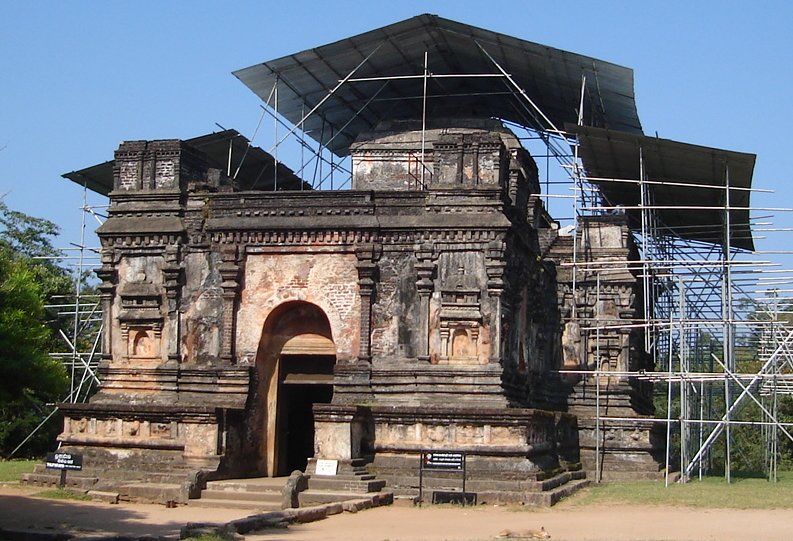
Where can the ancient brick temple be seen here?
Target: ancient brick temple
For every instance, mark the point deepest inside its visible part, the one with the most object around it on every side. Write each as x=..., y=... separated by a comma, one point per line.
x=254, y=326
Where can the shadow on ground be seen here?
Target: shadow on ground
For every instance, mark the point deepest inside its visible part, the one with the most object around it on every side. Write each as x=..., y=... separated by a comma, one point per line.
x=23, y=512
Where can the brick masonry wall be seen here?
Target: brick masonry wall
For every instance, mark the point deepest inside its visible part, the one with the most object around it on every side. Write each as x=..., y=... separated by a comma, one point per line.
x=328, y=280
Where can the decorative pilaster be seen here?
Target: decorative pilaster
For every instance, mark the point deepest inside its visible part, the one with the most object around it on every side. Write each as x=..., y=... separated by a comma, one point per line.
x=367, y=275
x=425, y=268
x=229, y=273
x=171, y=279
x=107, y=290
x=495, y=264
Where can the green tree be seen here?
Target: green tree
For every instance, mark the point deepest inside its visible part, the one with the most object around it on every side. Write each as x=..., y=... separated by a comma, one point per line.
x=29, y=378
x=29, y=238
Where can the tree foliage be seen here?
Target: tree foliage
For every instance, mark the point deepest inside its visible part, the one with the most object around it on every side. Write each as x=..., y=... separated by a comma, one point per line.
x=29, y=378
x=29, y=239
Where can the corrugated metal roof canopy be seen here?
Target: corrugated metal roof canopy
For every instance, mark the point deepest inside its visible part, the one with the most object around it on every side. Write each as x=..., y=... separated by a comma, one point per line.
x=551, y=78
x=255, y=170
x=702, y=170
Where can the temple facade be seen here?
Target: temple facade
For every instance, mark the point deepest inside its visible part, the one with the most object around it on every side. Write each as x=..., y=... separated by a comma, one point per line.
x=428, y=308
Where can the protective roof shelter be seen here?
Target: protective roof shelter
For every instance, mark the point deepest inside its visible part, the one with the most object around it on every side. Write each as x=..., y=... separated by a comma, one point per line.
x=350, y=85
x=474, y=71
x=686, y=184
x=434, y=68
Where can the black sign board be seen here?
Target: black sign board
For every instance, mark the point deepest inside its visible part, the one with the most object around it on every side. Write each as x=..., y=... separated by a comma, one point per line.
x=64, y=461
x=448, y=461
x=442, y=460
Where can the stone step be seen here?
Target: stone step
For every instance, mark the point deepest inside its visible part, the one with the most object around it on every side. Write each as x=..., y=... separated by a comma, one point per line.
x=358, y=471
x=103, y=496
x=551, y=497
x=476, y=485
x=88, y=476
x=234, y=504
x=241, y=495
x=616, y=464
x=241, y=485
x=405, y=492
x=544, y=493
x=354, y=474
x=317, y=497
x=630, y=475
x=152, y=492
x=50, y=479
x=410, y=471
x=538, y=499
x=364, y=476
x=555, y=481
x=570, y=488
x=350, y=485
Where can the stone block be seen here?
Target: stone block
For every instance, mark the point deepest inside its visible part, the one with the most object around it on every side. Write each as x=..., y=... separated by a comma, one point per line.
x=103, y=496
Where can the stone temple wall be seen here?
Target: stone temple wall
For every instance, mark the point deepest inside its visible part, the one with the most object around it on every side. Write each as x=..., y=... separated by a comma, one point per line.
x=439, y=298
x=601, y=331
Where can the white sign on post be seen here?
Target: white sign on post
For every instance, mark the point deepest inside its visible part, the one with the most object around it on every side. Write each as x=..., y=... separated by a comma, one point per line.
x=327, y=467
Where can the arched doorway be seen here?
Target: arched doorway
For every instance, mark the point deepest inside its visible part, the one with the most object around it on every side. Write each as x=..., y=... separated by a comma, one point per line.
x=295, y=365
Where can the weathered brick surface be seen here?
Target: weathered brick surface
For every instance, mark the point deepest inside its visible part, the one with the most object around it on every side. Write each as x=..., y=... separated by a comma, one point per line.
x=328, y=281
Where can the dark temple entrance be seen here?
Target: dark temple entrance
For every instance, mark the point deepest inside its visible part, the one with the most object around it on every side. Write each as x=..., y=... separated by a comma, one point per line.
x=304, y=380
x=295, y=365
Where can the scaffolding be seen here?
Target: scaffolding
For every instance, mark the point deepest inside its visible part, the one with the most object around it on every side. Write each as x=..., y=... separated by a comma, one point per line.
x=715, y=325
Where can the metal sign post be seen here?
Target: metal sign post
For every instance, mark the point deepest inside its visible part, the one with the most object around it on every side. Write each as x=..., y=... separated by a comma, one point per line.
x=451, y=461
x=63, y=462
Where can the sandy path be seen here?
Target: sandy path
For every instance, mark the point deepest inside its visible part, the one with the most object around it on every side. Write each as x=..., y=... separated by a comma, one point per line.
x=564, y=522
x=570, y=523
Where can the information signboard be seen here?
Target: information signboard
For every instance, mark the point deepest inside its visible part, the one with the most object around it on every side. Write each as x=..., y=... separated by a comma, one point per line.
x=442, y=460
x=452, y=462
x=64, y=461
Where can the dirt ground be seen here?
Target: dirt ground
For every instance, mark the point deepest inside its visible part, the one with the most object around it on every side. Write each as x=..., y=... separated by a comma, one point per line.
x=565, y=521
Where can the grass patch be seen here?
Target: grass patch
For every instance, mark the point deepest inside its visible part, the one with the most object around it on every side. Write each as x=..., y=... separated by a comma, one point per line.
x=711, y=492
x=210, y=537
x=62, y=494
x=12, y=470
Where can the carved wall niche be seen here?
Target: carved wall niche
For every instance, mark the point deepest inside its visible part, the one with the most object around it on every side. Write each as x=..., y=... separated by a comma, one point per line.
x=141, y=320
x=143, y=341
x=460, y=324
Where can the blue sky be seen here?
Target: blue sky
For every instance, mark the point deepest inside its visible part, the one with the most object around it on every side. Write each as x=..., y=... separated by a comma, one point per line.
x=79, y=77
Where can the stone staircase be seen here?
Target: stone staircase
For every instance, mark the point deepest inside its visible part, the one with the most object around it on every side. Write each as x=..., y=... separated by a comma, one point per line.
x=542, y=490
x=255, y=494
x=353, y=481
x=109, y=484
